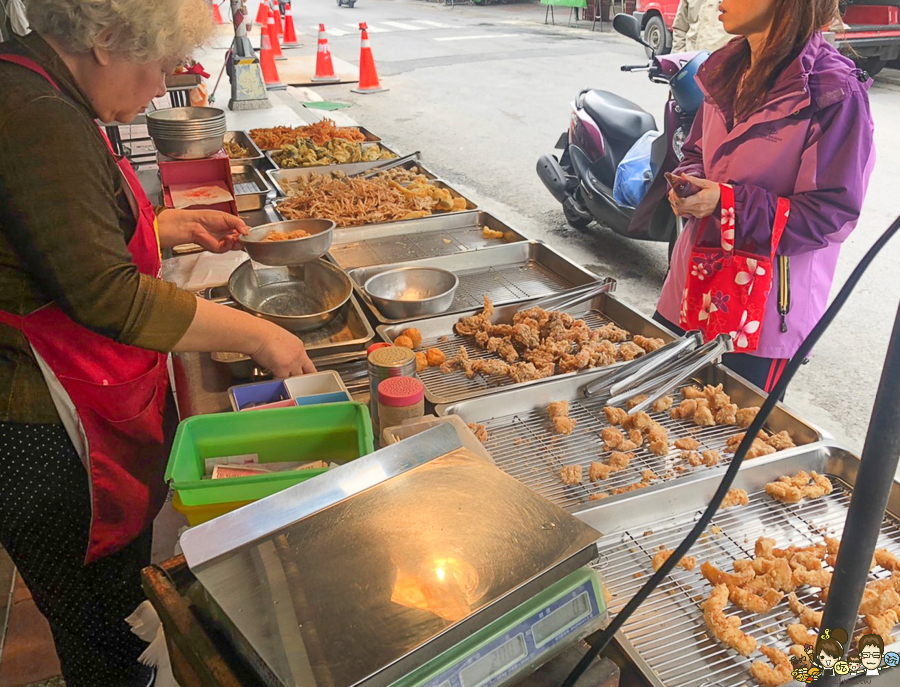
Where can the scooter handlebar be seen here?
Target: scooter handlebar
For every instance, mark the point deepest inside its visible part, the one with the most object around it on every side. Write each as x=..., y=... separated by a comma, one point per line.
x=635, y=67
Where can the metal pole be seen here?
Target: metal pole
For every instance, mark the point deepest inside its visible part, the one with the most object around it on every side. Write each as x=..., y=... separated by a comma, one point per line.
x=248, y=90
x=869, y=501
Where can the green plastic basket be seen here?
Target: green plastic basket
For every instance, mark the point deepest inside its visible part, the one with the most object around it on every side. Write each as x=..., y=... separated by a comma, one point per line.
x=335, y=433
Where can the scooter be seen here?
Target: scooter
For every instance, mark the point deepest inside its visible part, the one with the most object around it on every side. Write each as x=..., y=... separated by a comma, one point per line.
x=346, y=3
x=603, y=128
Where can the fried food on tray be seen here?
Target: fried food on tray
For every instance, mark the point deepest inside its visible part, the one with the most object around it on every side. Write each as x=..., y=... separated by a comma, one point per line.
x=305, y=153
x=599, y=471
x=559, y=413
x=612, y=438
x=727, y=414
x=571, y=474
x=882, y=625
x=692, y=458
x=635, y=437
x=691, y=393
x=619, y=460
x=404, y=342
x=490, y=367
x=769, y=676
x=801, y=486
x=649, y=345
x=421, y=361
x=726, y=628
x=874, y=603
x=480, y=431
x=687, y=444
x=435, y=357
x=636, y=401
x=735, y=497
x=661, y=556
x=469, y=326
x=801, y=635
x=748, y=601
x=393, y=195
x=320, y=132
x=746, y=415
x=489, y=233
x=663, y=404
x=236, y=151
x=887, y=560
x=647, y=476
x=703, y=417
x=615, y=416
x=286, y=235
x=711, y=458
x=781, y=441
x=414, y=335
x=810, y=618
x=717, y=577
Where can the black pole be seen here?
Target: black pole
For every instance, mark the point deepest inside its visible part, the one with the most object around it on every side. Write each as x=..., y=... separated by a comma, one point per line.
x=869, y=501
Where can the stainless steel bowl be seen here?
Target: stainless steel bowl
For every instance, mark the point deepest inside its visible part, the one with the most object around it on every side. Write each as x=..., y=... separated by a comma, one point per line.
x=189, y=150
x=412, y=291
x=291, y=251
x=300, y=298
x=187, y=133
x=185, y=118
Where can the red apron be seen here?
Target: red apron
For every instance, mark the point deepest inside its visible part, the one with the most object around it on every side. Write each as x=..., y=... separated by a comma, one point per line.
x=111, y=397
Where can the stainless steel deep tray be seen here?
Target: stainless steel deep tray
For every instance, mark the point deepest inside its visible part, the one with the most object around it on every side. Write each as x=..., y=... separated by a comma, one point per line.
x=512, y=273
x=522, y=439
x=666, y=638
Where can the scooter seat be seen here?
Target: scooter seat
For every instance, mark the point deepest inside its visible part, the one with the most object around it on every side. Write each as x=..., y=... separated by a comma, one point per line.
x=621, y=121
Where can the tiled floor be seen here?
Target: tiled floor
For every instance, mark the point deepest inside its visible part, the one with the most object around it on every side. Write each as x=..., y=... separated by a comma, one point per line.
x=28, y=658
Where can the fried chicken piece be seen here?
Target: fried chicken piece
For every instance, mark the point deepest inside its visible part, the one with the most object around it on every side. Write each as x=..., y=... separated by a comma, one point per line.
x=781, y=441
x=725, y=628
x=612, y=438
x=812, y=619
x=480, y=431
x=648, y=475
x=688, y=562
x=685, y=409
x=799, y=634
x=758, y=449
x=491, y=367
x=460, y=362
x=746, y=415
x=598, y=497
x=630, y=487
x=628, y=445
x=727, y=414
x=711, y=458
x=794, y=489
x=414, y=335
x=435, y=357
x=641, y=421
x=538, y=315
x=692, y=457
x=769, y=676
x=618, y=460
x=663, y=404
x=765, y=547
x=807, y=560
x=507, y=350
x=599, y=471
x=687, y=444
x=571, y=474
x=703, y=417
x=525, y=336
x=421, y=361
x=648, y=344
x=691, y=392
x=574, y=363
x=874, y=603
x=735, y=497
x=528, y=372
x=659, y=447
x=656, y=432
x=404, y=342
x=771, y=574
x=629, y=351
x=717, y=577
x=812, y=578
x=610, y=332
x=635, y=437
x=558, y=409
x=468, y=326
x=615, y=416
x=565, y=425
x=602, y=353
x=882, y=625
x=716, y=396
x=887, y=560
x=636, y=401
x=754, y=603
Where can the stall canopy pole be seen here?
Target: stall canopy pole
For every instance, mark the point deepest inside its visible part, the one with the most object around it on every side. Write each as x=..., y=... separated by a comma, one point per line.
x=869, y=501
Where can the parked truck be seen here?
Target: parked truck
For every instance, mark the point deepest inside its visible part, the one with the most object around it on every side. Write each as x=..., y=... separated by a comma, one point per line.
x=870, y=36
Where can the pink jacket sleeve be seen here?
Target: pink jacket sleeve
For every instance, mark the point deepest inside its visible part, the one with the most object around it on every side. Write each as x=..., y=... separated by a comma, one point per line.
x=692, y=163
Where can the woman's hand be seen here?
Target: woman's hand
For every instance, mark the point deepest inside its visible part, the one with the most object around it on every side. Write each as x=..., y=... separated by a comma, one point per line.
x=702, y=204
x=282, y=353
x=212, y=230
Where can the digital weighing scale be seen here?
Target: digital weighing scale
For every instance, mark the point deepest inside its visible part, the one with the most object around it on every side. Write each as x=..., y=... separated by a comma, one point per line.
x=420, y=565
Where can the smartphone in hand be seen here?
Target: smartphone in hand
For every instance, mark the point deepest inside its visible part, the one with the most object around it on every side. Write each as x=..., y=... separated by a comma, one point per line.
x=682, y=187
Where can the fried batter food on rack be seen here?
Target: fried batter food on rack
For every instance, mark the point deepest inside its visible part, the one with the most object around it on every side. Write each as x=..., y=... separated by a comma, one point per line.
x=404, y=342
x=727, y=414
x=612, y=438
x=489, y=233
x=746, y=415
x=703, y=417
x=800, y=634
x=635, y=437
x=663, y=554
x=615, y=416
x=490, y=367
x=528, y=372
x=887, y=560
x=571, y=474
x=687, y=444
x=663, y=404
x=875, y=603
x=801, y=486
x=735, y=497
x=647, y=476
x=460, y=362
x=559, y=413
x=754, y=603
x=480, y=431
x=636, y=401
x=421, y=362
x=781, y=441
x=692, y=458
x=629, y=351
x=726, y=628
x=882, y=625
x=435, y=357
x=648, y=344
x=619, y=460
x=640, y=421
x=717, y=577
x=469, y=326
x=691, y=393
x=810, y=618
x=711, y=458
x=414, y=335
x=599, y=471
x=716, y=396
x=769, y=676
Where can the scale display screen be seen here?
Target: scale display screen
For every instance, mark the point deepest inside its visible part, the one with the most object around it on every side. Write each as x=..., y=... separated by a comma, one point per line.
x=495, y=662
x=547, y=628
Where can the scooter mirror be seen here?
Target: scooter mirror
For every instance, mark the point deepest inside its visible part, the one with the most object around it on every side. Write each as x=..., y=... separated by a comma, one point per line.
x=629, y=27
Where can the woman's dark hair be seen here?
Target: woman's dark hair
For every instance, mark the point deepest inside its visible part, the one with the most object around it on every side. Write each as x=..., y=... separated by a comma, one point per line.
x=794, y=24
x=871, y=640
x=834, y=645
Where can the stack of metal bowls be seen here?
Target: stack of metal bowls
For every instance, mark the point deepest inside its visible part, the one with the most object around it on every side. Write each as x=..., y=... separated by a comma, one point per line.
x=187, y=133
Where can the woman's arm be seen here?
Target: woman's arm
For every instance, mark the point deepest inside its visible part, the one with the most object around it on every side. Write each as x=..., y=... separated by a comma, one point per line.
x=828, y=195
x=215, y=231
x=680, y=26
x=692, y=150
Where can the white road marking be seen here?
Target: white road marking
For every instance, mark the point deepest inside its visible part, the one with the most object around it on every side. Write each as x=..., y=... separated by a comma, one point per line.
x=485, y=36
x=370, y=28
x=435, y=24
x=402, y=26
x=337, y=33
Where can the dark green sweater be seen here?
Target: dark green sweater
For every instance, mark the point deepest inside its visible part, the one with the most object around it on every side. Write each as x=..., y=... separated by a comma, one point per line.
x=65, y=223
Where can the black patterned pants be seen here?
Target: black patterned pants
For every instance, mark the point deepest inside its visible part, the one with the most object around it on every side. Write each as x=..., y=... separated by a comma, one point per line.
x=45, y=516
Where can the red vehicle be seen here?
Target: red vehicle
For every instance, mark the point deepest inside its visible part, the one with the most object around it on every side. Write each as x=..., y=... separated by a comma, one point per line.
x=872, y=40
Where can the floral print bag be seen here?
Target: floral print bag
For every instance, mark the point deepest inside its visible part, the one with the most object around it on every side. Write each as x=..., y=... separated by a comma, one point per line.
x=727, y=290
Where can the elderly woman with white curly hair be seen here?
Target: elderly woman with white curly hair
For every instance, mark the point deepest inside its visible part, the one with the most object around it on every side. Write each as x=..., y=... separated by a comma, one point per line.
x=85, y=322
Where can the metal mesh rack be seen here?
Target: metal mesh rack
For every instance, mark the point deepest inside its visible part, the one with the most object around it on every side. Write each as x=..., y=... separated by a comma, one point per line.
x=668, y=631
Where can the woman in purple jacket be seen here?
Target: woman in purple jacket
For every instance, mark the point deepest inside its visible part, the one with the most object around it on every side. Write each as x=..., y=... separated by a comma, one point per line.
x=785, y=116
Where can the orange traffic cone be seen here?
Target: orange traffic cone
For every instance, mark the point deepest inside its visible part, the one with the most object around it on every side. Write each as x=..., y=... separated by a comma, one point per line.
x=324, y=67
x=277, y=10
x=290, y=33
x=273, y=38
x=217, y=15
x=267, y=62
x=261, y=13
x=368, y=76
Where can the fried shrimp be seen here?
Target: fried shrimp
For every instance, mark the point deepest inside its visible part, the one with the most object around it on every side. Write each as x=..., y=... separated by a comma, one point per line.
x=769, y=676
x=726, y=628
x=688, y=562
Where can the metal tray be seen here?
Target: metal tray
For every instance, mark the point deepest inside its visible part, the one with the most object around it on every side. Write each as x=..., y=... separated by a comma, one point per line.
x=349, y=332
x=437, y=332
x=250, y=187
x=243, y=139
x=370, y=137
x=427, y=237
x=666, y=638
x=523, y=441
x=342, y=167
x=512, y=273
x=277, y=175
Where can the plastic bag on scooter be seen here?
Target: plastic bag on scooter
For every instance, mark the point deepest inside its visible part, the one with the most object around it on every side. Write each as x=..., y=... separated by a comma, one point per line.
x=635, y=173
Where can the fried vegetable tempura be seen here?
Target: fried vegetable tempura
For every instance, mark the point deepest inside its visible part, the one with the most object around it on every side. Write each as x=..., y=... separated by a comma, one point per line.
x=726, y=628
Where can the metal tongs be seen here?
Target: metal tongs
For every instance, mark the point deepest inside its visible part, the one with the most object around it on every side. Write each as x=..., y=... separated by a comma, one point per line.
x=657, y=373
x=571, y=297
x=386, y=165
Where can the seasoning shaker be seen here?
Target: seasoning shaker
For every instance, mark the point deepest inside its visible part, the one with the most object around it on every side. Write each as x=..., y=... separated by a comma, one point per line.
x=386, y=362
x=400, y=399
